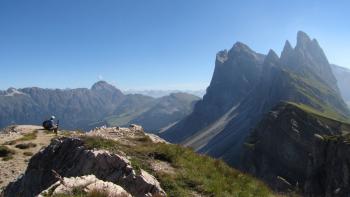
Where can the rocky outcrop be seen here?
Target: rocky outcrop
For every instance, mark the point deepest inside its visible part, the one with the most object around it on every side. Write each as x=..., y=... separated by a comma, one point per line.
x=85, y=184
x=293, y=149
x=70, y=158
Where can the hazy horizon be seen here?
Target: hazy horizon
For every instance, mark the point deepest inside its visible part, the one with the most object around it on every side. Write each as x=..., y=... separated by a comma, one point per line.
x=153, y=45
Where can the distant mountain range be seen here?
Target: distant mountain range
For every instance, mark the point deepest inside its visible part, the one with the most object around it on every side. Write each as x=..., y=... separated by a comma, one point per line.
x=84, y=108
x=161, y=93
x=242, y=102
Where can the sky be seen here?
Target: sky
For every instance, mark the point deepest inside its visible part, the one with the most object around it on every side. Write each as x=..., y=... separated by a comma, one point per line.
x=152, y=44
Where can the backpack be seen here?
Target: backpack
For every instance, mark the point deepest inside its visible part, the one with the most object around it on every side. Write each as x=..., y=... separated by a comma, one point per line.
x=47, y=124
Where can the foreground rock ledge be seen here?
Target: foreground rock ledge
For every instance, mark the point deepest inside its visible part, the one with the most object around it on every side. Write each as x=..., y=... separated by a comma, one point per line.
x=70, y=158
x=87, y=184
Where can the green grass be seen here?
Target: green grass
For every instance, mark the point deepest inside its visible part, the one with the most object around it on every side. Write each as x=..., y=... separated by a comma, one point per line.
x=28, y=136
x=315, y=92
x=193, y=172
x=331, y=115
x=25, y=137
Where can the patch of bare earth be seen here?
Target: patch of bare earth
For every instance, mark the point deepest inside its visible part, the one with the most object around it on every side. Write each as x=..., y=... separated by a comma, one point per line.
x=11, y=136
x=163, y=167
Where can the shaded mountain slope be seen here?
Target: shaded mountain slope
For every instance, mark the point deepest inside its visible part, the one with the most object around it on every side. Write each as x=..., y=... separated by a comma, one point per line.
x=297, y=148
x=236, y=72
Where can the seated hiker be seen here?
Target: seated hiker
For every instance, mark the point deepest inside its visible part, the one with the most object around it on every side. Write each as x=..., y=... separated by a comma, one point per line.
x=50, y=124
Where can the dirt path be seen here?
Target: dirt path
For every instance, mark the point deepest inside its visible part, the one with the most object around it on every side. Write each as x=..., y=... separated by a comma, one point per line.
x=11, y=169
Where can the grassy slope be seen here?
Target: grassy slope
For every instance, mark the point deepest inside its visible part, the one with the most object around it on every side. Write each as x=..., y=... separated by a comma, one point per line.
x=192, y=172
x=321, y=114
x=315, y=91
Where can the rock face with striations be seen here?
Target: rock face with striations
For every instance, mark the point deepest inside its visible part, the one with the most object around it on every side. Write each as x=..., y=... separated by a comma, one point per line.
x=237, y=71
x=293, y=148
x=222, y=121
x=70, y=158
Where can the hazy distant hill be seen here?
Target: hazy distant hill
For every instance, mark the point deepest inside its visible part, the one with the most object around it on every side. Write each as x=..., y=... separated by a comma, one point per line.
x=161, y=93
x=80, y=108
x=153, y=114
x=343, y=77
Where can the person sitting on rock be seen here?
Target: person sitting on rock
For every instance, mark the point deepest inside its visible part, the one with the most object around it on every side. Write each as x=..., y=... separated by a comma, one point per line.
x=51, y=125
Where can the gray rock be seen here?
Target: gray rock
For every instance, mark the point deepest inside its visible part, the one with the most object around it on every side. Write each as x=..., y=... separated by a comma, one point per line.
x=70, y=158
x=87, y=184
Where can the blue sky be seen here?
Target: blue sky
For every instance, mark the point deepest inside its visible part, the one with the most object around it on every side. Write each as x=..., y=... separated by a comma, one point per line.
x=152, y=44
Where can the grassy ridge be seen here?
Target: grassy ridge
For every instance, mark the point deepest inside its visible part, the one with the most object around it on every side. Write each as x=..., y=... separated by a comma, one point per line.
x=321, y=114
x=319, y=99
x=193, y=173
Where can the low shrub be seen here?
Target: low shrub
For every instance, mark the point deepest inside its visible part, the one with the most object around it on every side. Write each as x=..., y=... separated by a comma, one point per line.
x=29, y=154
x=29, y=136
x=25, y=145
x=6, y=153
x=12, y=142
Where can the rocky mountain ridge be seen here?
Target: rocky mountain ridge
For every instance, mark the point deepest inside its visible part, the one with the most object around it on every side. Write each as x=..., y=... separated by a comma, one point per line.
x=83, y=108
x=222, y=121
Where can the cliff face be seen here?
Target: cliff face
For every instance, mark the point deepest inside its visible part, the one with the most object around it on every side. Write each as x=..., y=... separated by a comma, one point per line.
x=236, y=72
x=296, y=149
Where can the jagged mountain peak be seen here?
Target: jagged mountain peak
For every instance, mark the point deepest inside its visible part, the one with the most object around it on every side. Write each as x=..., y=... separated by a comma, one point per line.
x=222, y=56
x=101, y=84
x=271, y=56
x=240, y=47
x=287, y=50
x=302, y=39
